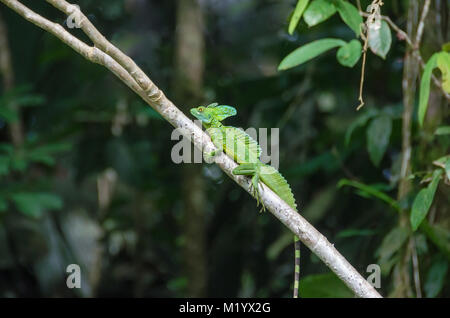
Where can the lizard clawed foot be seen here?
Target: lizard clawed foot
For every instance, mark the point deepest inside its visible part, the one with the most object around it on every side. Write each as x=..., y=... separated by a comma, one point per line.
x=255, y=193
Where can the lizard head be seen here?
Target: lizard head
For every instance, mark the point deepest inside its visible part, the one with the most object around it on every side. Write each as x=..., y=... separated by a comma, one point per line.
x=213, y=112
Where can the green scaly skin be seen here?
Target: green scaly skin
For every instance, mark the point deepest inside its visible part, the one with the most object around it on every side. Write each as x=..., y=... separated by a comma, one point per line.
x=246, y=152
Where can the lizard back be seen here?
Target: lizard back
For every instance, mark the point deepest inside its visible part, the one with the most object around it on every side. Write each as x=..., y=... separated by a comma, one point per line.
x=236, y=143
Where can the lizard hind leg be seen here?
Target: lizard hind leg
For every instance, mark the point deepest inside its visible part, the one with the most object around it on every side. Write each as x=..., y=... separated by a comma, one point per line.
x=255, y=192
x=251, y=170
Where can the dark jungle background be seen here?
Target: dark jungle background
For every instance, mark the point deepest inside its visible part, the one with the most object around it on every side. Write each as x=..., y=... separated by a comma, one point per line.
x=86, y=175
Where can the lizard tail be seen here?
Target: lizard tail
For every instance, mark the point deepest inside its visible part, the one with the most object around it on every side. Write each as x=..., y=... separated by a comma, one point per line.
x=297, y=265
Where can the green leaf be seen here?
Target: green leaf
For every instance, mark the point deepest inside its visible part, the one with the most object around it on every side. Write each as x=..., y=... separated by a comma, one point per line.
x=378, y=134
x=441, y=161
x=308, y=52
x=370, y=190
x=380, y=40
x=279, y=245
x=44, y=154
x=42, y=158
x=324, y=286
x=359, y=122
x=3, y=204
x=4, y=165
x=349, y=54
x=177, y=283
x=34, y=204
x=420, y=208
x=438, y=235
x=6, y=148
x=29, y=100
x=392, y=242
x=425, y=87
x=443, y=130
x=436, y=277
x=423, y=201
x=387, y=252
x=320, y=204
x=350, y=15
x=296, y=16
x=443, y=62
x=318, y=11
x=444, y=163
x=53, y=148
x=18, y=163
x=7, y=114
x=355, y=232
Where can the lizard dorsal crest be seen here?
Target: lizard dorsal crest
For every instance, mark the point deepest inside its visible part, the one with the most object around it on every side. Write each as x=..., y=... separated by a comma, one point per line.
x=222, y=111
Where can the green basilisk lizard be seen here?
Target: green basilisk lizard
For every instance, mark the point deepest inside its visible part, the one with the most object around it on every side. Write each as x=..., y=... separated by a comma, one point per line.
x=246, y=152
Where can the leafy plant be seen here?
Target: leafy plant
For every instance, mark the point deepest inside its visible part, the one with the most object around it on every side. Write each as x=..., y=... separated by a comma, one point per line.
x=439, y=60
x=423, y=201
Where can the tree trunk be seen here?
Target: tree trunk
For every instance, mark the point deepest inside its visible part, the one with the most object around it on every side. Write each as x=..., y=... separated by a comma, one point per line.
x=188, y=84
x=7, y=72
x=402, y=283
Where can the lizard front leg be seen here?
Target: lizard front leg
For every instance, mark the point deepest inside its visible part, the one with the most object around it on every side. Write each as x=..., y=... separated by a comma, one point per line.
x=217, y=137
x=209, y=156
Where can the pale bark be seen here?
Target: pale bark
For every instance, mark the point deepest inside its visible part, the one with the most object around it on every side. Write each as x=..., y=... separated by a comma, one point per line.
x=123, y=67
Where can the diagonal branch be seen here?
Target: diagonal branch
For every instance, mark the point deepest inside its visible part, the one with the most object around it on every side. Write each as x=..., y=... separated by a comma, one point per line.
x=127, y=71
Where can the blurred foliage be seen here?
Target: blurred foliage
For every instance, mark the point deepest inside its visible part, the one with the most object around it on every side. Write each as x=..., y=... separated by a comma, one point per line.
x=93, y=182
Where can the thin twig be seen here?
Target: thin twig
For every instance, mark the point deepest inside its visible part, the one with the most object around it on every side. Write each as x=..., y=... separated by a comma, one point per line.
x=358, y=4
x=372, y=19
x=416, y=52
x=416, y=271
x=363, y=70
x=123, y=67
x=412, y=245
x=420, y=28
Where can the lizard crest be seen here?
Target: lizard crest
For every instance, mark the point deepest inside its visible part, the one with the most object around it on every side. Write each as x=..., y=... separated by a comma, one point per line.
x=213, y=113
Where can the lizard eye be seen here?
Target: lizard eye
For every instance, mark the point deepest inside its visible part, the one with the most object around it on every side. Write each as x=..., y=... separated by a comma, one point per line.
x=200, y=109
